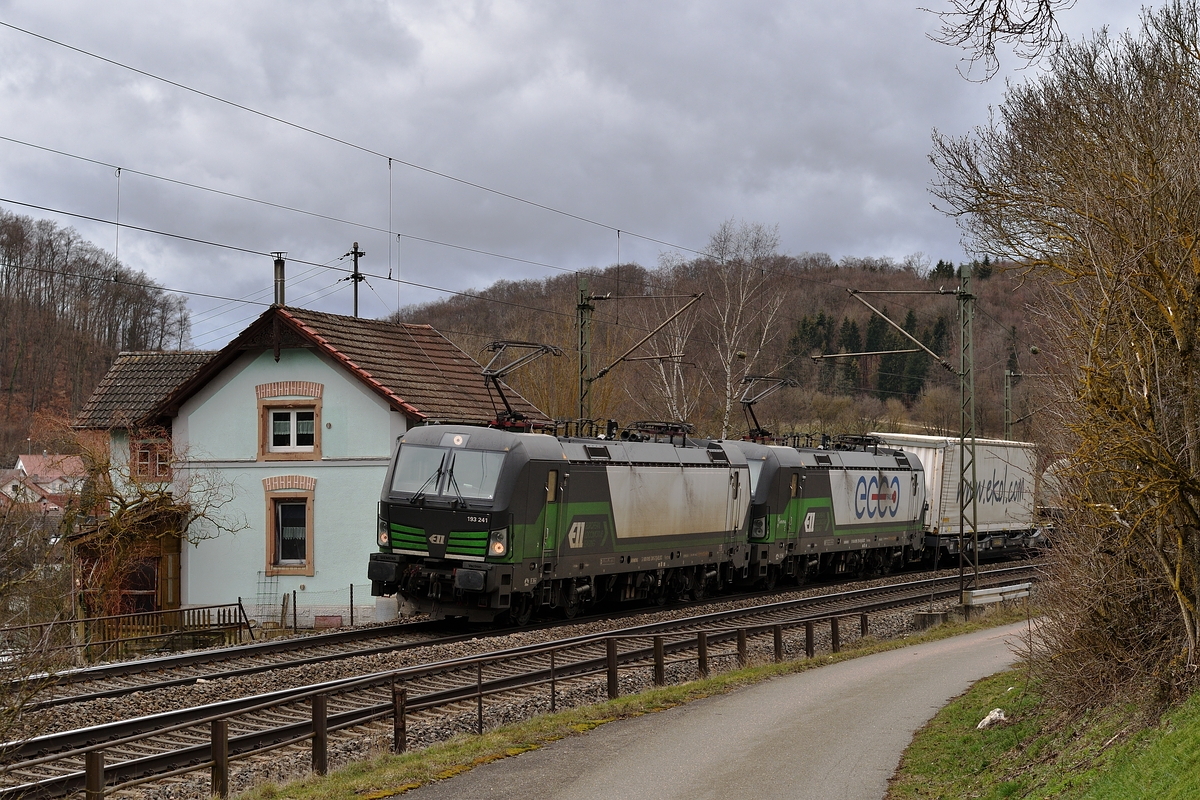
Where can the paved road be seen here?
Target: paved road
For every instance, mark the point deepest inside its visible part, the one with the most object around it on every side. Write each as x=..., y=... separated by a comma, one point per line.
x=834, y=733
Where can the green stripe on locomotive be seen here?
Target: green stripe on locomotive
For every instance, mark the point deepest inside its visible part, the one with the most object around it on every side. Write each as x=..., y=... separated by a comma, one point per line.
x=458, y=543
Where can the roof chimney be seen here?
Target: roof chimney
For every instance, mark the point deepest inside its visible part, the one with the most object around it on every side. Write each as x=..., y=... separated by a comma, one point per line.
x=279, y=278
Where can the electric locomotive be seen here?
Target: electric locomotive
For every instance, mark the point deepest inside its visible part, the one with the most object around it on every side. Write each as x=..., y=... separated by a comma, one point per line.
x=488, y=524
x=853, y=508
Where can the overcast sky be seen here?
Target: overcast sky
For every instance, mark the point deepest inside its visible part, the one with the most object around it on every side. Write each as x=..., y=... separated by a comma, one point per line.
x=658, y=118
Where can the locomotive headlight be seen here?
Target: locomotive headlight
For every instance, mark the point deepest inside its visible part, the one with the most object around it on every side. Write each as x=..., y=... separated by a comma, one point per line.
x=383, y=536
x=758, y=528
x=498, y=543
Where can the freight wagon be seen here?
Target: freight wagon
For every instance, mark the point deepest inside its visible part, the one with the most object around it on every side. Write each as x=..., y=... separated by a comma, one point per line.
x=1005, y=490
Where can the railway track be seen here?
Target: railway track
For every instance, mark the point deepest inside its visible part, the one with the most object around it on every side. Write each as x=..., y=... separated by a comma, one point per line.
x=173, y=743
x=120, y=679
x=186, y=669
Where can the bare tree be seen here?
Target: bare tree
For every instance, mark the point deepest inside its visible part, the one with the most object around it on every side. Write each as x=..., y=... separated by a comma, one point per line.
x=132, y=505
x=977, y=26
x=66, y=309
x=35, y=591
x=1086, y=178
x=738, y=269
x=674, y=388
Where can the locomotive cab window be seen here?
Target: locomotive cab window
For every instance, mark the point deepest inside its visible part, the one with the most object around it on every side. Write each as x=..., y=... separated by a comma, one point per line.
x=438, y=471
x=552, y=486
x=473, y=474
x=795, y=491
x=756, y=468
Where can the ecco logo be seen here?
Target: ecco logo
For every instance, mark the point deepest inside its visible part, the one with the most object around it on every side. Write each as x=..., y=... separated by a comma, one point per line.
x=437, y=538
x=876, y=497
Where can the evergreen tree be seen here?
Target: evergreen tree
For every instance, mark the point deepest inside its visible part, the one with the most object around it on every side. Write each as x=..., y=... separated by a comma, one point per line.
x=813, y=334
x=982, y=270
x=938, y=336
x=890, y=381
x=849, y=341
x=943, y=270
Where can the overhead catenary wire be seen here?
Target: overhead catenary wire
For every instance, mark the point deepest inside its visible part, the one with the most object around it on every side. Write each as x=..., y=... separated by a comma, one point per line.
x=347, y=143
x=366, y=226
x=370, y=151
x=117, y=241
x=209, y=337
x=339, y=140
x=284, y=207
x=251, y=251
x=264, y=292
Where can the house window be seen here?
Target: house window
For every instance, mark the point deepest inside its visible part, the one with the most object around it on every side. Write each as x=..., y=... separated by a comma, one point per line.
x=289, y=533
x=151, y=460
x=292, y=431
x=289, y=430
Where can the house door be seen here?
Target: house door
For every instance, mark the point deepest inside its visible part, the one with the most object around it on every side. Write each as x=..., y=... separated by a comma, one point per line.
x=168, y=573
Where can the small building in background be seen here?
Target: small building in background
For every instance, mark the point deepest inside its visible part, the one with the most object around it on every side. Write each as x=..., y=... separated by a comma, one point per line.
x=140, y=570
x=57, y=474
x=41, y=484
x=290, y=429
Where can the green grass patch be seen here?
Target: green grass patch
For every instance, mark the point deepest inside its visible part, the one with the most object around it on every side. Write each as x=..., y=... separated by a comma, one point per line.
x=1102, y=754
x=388, y=775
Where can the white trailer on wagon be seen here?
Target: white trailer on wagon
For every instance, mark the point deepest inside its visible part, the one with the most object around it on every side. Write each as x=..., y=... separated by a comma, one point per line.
x=1006, y=483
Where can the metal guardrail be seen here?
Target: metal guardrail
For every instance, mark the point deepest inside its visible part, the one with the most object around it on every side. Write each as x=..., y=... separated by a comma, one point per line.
x=996, y=594
x=223, y=749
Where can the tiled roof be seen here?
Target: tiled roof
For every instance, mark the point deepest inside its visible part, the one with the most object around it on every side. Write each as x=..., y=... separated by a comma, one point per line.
x=417, y=370
x=29, y=494
x=46, y=468
x=135, y=384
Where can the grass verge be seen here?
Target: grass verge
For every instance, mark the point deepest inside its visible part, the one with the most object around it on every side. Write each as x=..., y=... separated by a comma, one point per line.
x=388, y=775
x=1107, y=753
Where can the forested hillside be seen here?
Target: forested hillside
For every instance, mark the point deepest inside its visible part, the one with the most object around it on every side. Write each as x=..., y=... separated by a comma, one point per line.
x=763, y=313
x=66, y=309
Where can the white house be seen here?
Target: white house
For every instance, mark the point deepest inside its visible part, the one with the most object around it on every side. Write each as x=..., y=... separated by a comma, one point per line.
x=297, y=418
x=57, y=474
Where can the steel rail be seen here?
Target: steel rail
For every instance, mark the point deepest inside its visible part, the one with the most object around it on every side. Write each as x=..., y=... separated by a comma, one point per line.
x=123, y=668
x=122, y=729
x=322, y=645
x=71, y=746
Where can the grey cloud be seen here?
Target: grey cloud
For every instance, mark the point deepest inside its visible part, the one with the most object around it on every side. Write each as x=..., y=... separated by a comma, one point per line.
x=658, y=118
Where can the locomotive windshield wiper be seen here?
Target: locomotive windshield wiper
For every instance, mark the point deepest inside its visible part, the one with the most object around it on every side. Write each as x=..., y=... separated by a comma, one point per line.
x=436, y=476
x=452, y=481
